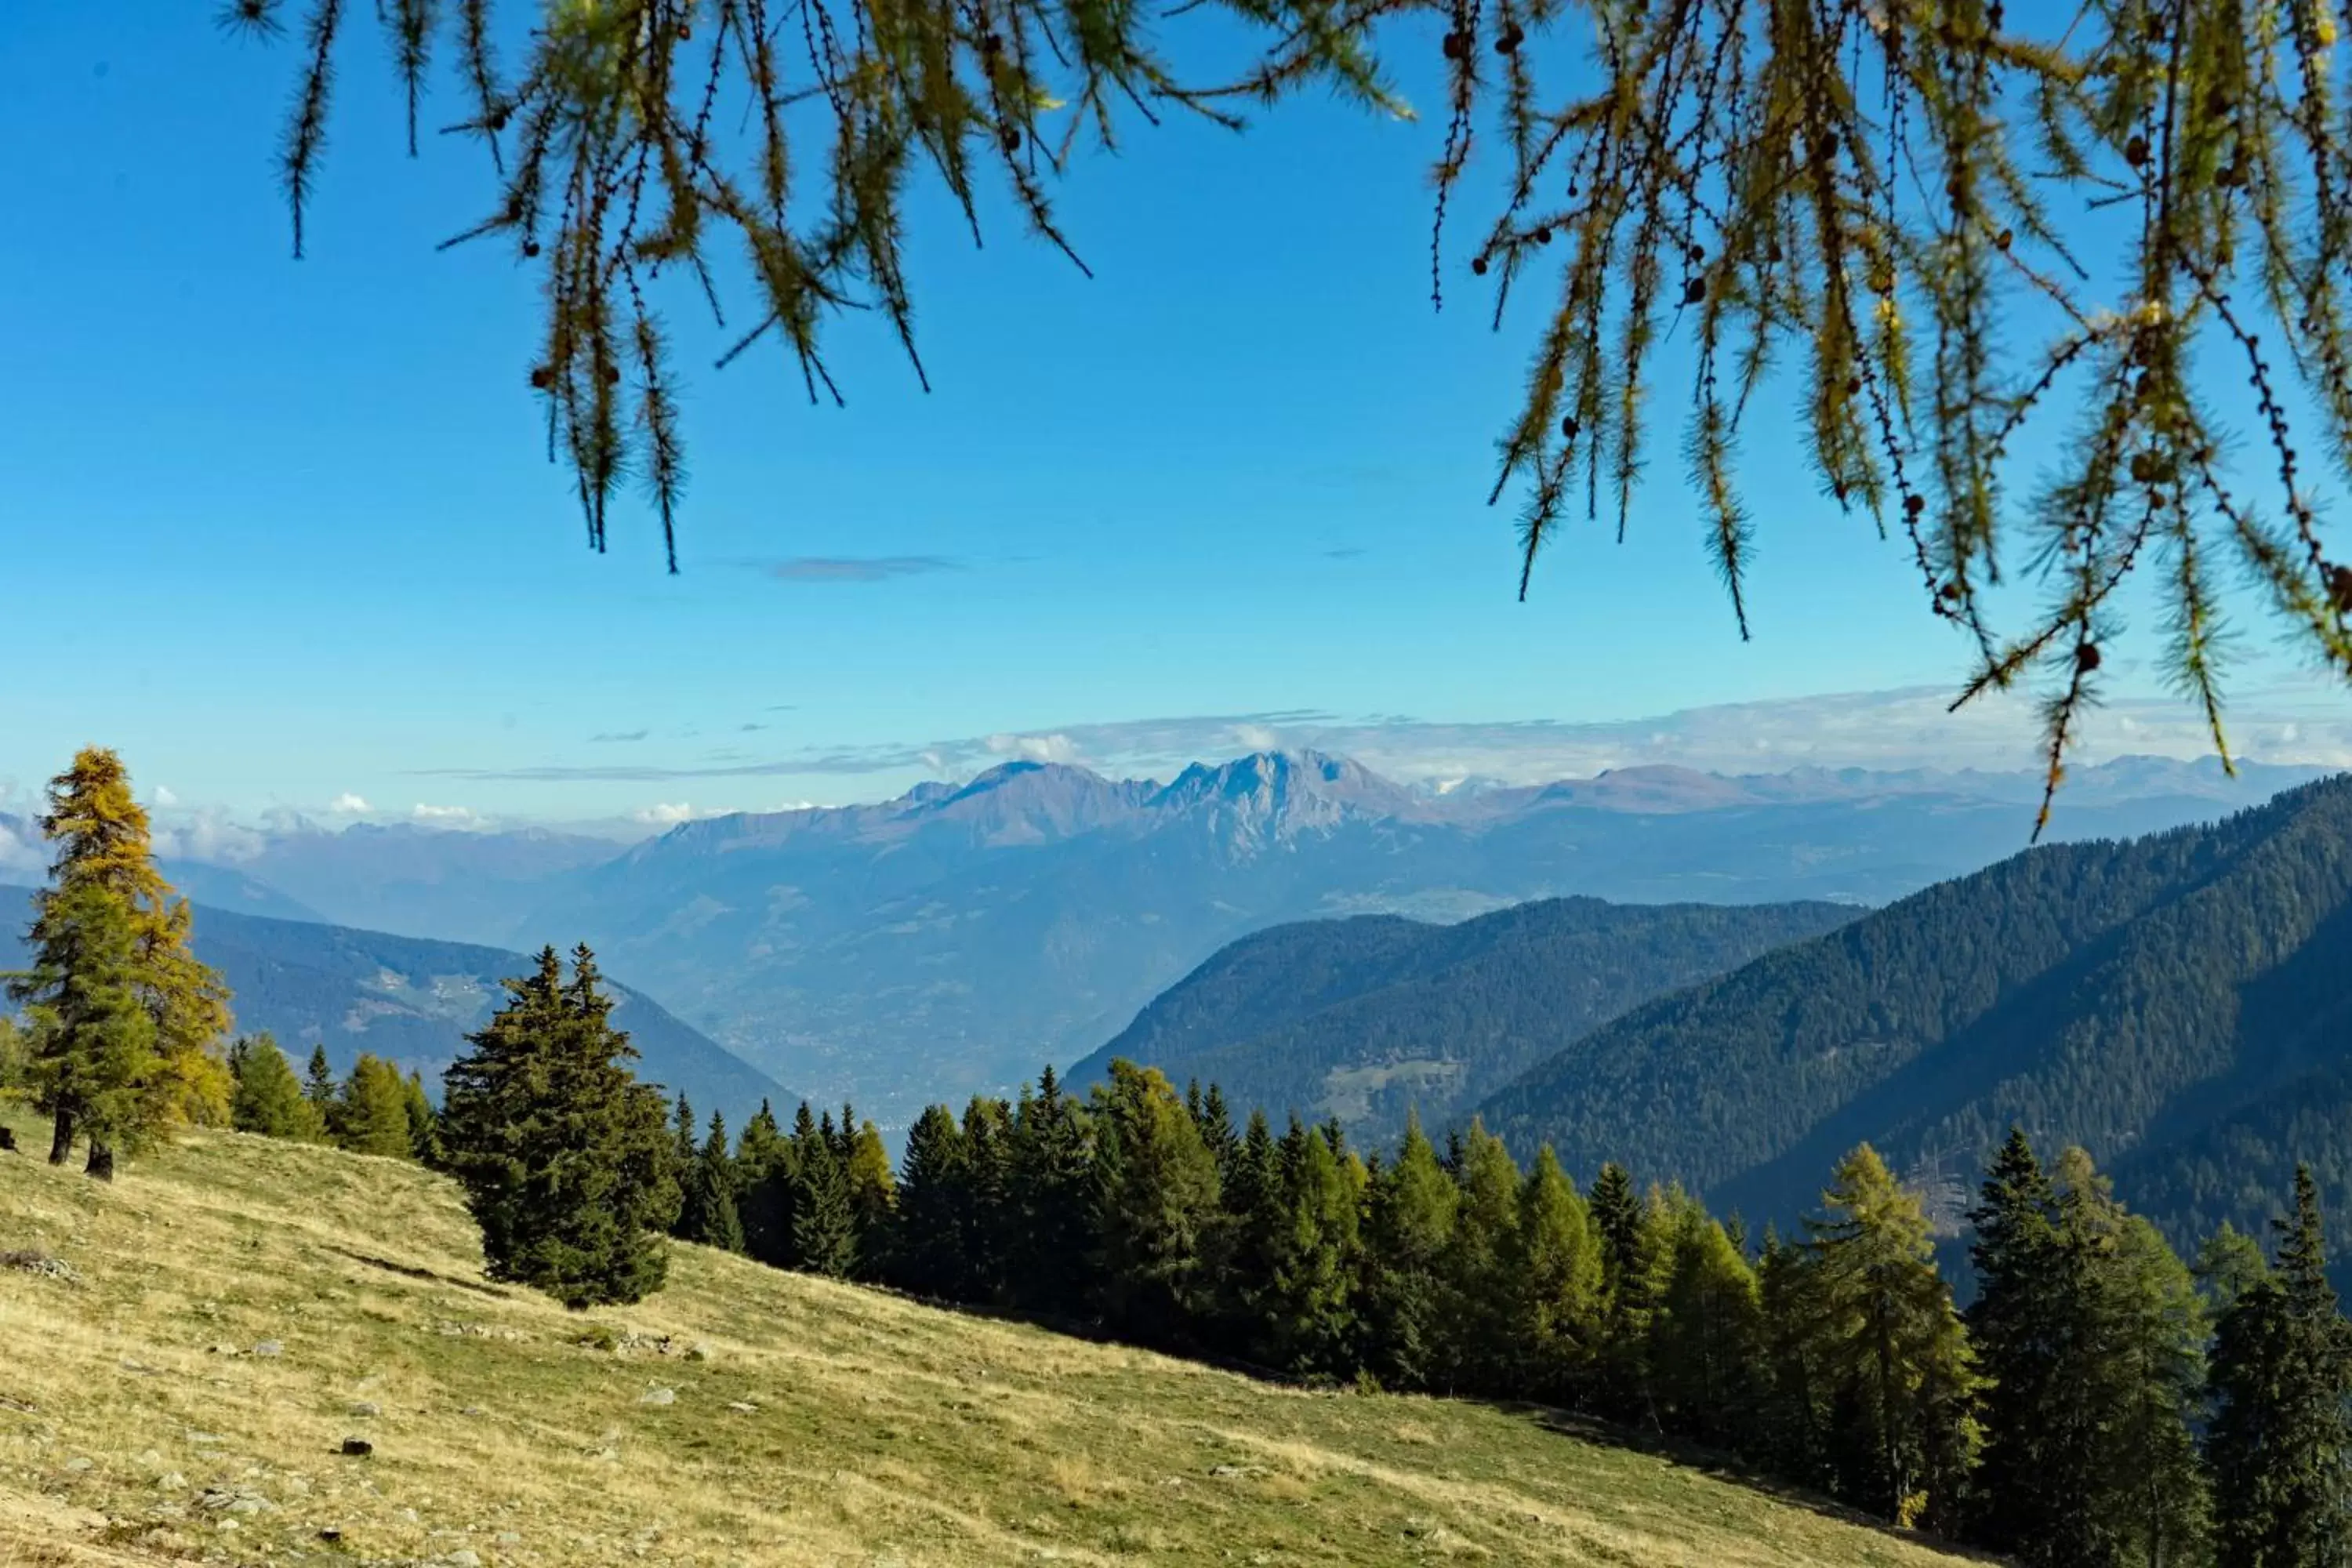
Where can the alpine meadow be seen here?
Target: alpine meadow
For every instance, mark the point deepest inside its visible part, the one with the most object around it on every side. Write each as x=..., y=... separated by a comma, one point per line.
x=1334, y=782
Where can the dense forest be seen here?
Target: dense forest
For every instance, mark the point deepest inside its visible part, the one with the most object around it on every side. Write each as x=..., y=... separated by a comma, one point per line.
x=2100, y=1402
x=2179, y=999
x=1369, y=1017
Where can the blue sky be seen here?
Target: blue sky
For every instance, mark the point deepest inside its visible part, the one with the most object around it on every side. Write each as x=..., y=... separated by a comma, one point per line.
x=283, y=532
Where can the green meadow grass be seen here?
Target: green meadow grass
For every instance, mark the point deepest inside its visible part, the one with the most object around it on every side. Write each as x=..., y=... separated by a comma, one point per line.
x=813, y=1423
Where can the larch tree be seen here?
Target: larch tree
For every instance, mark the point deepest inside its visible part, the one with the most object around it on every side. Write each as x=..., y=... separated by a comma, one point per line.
x=371, y=1115
x=268, y=1097
x=1554, y=1279
x=1408, y=1233
x=564, y=1156
x=1893, y=1352
x=118, y=1084
x=1157, y=1203
x=1946, y=236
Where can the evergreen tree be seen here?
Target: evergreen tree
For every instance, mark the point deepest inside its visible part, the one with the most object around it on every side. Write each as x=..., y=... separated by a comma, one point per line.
x=1629, y=1275
x=825, y=1226
x=1477, y=1262
x=1050, y=1170
x=1792, y=1429
x=1893, y=1353
x=685, y=1145
x=1246, y=1239
x=1158, y=1201
x=2278, y=1444
x=424, y=1123
x=2034, y=1482
x=565, y=1158
x=269, y=1096
x=105, y=1077
x=706, y=1213
x=1409, y=1231
x=318, y=1085
x=1553, y=1283
x=1706, y=1335
x=1306, y=1310
x=763, y=1182
x=371, y=1115
x=1216, y=1120
x=989, y=1221
x=934, y=1189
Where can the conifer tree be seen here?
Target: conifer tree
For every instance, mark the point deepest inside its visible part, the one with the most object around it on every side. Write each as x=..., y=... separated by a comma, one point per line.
x=1158, y=1203
x=1216, y=1120
x=104, y=1076
x=1792, y=1419
x=1628, y=1272
x=934, y=1190
x=94, y=1053
x=565, y=1158
x=424, y=1123
x=1409, y=1231
x=318, y=1084
x=763, y=1182
x=873, y=1196
x=1478, y=1260
x=371, y=1115
x=1706, y=1335
x=1245, y=1242
x=825, y=1226
x=685, y=1137
x=1893, y=1352
x=1305, y=1307
x=990, y=1219
x=707, y=1212
x=1554, y=1283
x=2034, y=1480
x=268, y=1097
x=1051, y=1171
x=2278, y=1446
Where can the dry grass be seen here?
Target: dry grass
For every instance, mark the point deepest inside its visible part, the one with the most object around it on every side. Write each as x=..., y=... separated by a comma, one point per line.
x=137, y=1425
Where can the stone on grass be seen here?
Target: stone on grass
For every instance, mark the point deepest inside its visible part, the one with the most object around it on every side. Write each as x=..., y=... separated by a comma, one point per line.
x=268, y=1348
x=366, y=1407
x=658, y=1396
x=358, y=1448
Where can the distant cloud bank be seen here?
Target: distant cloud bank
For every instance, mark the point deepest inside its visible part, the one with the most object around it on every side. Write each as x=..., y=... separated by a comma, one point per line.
x=1875, y=730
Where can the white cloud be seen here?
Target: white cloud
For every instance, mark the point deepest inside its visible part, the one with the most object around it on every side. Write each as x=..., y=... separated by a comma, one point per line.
x=164, y=797
x=20, y=854
x=349, y=805
x=208, y=835
x=1256, y=737
x=666, y=815
x=456, y=816
x=1034, y=748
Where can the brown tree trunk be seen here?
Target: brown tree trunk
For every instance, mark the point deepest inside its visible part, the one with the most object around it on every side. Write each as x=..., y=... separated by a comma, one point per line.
x=61, y=1144
x=101, y=1160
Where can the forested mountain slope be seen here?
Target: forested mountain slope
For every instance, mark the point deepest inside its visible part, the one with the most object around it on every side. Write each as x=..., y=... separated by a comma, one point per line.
x=2176, y=1003
x=1367, y=1017
x=410, y=1001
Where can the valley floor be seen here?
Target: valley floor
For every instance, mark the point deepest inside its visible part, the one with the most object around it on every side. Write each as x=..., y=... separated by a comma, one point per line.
x=234, y=1309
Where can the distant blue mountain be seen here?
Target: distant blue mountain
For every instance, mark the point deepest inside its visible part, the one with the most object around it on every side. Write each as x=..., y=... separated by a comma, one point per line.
x=413, y=1001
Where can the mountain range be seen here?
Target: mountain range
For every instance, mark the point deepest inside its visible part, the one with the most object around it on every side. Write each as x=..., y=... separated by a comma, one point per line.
x=2178, y=1004
x=411, y=1001
x=961, y=935
x=1367, y=1017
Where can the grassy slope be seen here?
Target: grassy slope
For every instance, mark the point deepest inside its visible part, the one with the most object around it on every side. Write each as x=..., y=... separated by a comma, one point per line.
x=885, y=1433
